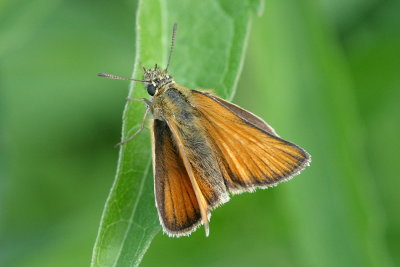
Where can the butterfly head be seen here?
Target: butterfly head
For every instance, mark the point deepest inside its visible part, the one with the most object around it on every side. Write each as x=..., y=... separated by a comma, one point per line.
x=155, y=79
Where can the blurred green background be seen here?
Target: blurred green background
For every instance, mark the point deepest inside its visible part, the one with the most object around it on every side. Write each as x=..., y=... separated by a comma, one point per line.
x=325, y=74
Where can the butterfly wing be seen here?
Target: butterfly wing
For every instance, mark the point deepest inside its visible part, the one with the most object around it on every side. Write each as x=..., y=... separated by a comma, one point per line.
x=251, y=155
x=242, y=113
x=176, y=201
x=194, y=149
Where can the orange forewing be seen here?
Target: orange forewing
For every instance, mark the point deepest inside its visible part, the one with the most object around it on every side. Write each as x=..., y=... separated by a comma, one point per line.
x=249, y=152
x=177, y=205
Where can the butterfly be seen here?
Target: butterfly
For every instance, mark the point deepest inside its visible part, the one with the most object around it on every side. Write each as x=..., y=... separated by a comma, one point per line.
x=205, y=149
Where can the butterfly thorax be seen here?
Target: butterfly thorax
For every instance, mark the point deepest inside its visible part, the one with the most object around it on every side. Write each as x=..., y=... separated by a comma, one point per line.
x=168, y=98
x=156, y=79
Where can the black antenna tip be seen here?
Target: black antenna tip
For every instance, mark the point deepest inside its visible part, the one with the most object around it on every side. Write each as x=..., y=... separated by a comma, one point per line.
x=101, y=74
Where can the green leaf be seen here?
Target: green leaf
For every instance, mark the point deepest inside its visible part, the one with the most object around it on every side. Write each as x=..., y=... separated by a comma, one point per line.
x=209, y=52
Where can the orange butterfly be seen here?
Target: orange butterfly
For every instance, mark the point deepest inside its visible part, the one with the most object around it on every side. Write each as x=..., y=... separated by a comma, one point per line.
x=205, y=148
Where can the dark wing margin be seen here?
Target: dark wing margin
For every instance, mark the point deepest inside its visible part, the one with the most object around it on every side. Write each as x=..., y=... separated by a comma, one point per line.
x=176, y=201
x=251, y=155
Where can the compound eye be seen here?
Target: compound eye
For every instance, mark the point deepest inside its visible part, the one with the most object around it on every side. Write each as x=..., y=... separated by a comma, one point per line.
x=151, y=89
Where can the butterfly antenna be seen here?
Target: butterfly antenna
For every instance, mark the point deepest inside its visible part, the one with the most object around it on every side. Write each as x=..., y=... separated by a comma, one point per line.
x=110, y=76
x=172, y=45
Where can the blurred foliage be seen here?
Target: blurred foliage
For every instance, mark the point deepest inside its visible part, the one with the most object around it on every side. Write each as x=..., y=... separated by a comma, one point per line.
x=324, y=73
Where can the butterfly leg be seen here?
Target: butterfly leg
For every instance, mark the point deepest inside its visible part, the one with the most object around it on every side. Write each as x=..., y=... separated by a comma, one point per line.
x=148, y=102
x=138, y=131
